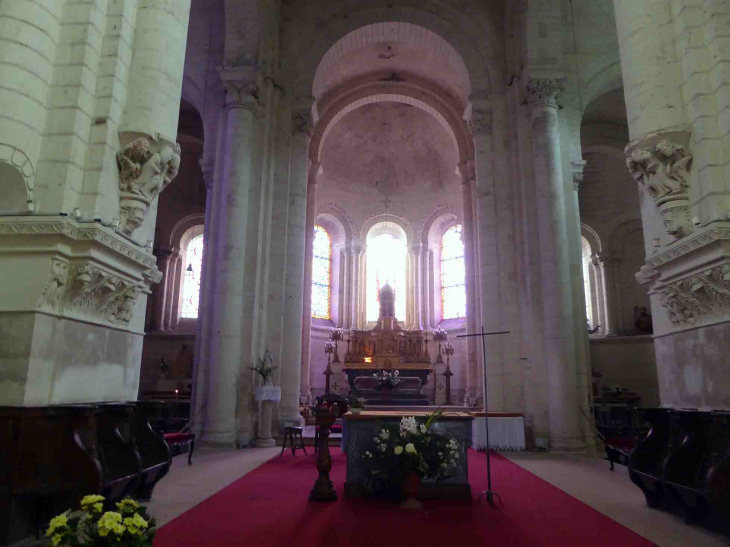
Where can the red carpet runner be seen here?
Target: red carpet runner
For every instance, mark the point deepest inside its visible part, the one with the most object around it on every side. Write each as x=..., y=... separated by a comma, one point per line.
x=270, y=507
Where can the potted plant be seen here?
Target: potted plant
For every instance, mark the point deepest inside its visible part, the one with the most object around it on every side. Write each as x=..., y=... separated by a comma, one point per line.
x=91, y=526
x=356, y=403
x=400, y=457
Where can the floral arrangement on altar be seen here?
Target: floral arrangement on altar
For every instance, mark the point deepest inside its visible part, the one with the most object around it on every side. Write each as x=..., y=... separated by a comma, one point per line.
x=410, y=449
x=90, y=526
x=387, y=379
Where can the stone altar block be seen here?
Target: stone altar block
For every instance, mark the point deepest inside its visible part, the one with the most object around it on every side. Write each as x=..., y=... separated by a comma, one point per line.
x=361, y=428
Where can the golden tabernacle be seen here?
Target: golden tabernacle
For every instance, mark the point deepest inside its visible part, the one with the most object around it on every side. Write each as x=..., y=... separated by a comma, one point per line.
x=390, y=348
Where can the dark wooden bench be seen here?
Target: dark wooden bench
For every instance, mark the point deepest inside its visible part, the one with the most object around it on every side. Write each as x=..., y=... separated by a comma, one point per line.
x=121, y=465
x=154, y=452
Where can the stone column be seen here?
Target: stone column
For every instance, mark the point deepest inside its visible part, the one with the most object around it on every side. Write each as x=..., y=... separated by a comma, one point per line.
x=163, y=257
x=474, y=388
x=292, y=359
x=357, y=281
x=559, y=335
x=227, y=378
x=415, y=292
x=606, y=266
x=174, y=272
x=302, y=128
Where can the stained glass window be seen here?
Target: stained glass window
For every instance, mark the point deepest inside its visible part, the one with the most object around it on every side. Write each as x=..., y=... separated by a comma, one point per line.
x=191, y=282
x=453, y=274
x=386, y=263
x=321, y=273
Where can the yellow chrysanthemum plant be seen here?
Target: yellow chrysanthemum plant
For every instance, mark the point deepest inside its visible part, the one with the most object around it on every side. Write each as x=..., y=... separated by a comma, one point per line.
x=90, y=526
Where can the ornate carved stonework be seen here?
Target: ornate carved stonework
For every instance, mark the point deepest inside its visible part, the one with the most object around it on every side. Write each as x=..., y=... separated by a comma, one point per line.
x=50, y=226
x=577, y=168
x=697, y=242
x=242, y=95
x=697, y=298
x=301, y=123
x=543, y=92
x=467, y=172
x=480, y=122
x=56, y=287
x=143, y=175
x=646, y=275
x=661, y=166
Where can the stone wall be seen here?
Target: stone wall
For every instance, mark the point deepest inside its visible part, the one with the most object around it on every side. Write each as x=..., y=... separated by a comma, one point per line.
x=628, y=362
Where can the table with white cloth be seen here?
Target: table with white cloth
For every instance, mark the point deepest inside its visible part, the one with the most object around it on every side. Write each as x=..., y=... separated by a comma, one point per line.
x=506, y=431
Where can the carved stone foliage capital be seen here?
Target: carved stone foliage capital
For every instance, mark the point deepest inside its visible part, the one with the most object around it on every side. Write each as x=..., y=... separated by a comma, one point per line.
x=699, y=298
x=662, y=167
x=301, y=123
x=543, y=92
x=144, y=172
x=577, y=168
x=467, y=172
x=243, y=95
x=89, y=292
x=480, y=123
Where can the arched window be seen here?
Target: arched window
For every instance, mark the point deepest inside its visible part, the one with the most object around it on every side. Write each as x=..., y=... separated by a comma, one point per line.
x=453, y=273
x=321, y=273
x=191, y=281
x=386, y=263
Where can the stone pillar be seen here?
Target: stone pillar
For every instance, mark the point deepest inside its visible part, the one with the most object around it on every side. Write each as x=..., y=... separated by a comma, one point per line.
x=474, y=388
x=228, y=378
x=163, y=260
x=415, y=282
x=295, y=286
x=606, y=265
x=302, y=128
x=559, y=334
x=358, y=280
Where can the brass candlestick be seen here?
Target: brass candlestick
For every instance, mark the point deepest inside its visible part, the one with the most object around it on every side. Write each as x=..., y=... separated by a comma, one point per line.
x=329, y=349
x=449, y=350
x=323, y=490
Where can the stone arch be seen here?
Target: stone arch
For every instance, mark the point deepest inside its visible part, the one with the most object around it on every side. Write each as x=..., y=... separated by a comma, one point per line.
x=17, y=176
x=395, y=223
x=434, y=219
x=479, y=50
x=404, y=33
x=592, y=236
x=336, y=224
x=183, y=227
x=608, y=79
x=376, y=88
x=619, y=234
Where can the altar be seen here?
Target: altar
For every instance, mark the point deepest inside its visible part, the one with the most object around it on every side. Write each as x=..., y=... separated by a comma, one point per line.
x=389, y=348
x=361, y=428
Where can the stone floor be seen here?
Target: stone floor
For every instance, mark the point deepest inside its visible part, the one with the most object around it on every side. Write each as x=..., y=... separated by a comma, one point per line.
x=588, y=479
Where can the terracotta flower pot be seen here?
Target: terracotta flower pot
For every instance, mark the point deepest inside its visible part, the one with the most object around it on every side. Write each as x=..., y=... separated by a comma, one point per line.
x=409, y=488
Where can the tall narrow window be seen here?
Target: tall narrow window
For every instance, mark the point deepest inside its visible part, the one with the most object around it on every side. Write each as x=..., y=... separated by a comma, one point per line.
x=386, y=263
x=321, y=273
x=587, y=252
x=191, y=282
x=453, y=274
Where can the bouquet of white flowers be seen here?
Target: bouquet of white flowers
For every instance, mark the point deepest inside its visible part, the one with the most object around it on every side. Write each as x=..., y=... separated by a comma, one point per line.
x=387, y=379
x=410, y=448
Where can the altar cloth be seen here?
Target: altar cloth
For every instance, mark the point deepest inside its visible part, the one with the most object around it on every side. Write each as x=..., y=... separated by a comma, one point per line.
x=506, y=433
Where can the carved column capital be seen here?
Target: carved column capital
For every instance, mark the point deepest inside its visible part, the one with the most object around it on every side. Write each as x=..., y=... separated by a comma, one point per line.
x=242, y=88
x=467, y=172
x=301, y=123
x=480, y=123
x=145, y=170
x=661, y=164
x=699, y=298
x=416, y=248
x=208, y=169
x=543, y=92
x=577, y=168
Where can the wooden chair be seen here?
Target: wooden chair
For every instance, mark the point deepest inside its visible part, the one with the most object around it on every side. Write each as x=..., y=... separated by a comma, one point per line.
x=291, y=432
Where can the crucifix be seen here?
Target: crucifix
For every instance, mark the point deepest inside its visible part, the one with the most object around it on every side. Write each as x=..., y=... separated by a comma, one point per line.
x=488, y=492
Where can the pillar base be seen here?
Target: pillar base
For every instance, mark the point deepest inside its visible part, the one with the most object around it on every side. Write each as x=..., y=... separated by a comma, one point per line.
x=265, y=443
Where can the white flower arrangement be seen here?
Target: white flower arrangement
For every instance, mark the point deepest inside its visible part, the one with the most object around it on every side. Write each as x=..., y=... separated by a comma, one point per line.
x=412, y=447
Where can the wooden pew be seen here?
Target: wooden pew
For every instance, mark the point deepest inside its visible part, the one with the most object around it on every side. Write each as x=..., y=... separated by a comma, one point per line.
x=48, y=463
x=121, y=464
x=153, y=450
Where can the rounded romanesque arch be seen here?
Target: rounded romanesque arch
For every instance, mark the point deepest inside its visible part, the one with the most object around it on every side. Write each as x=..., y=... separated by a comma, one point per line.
x=481, y=53
x=383, y=88
x=17, y=178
